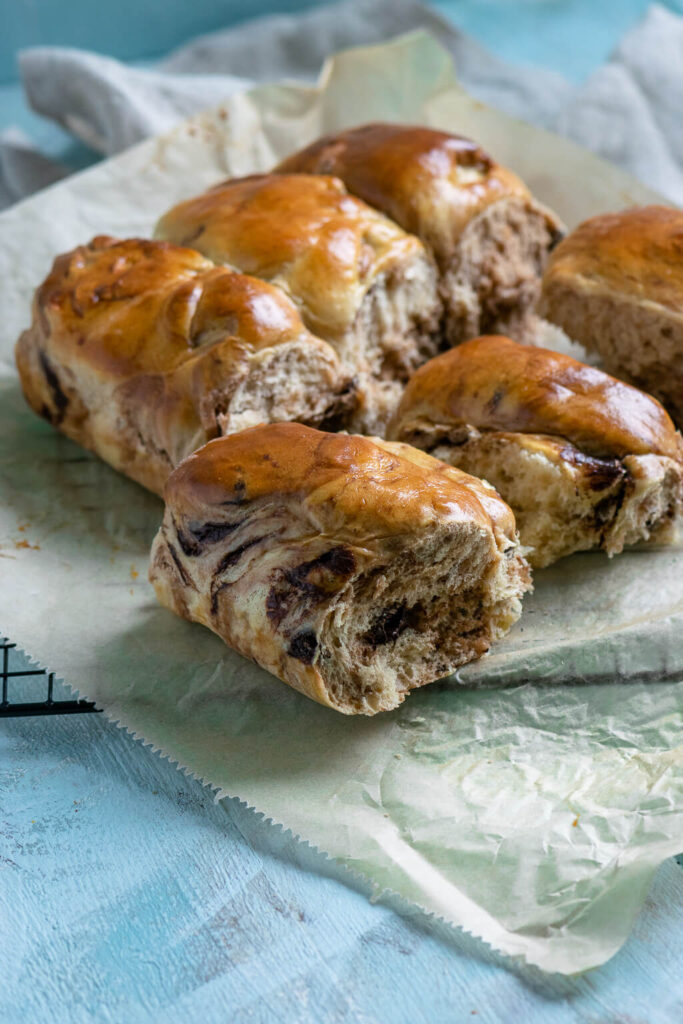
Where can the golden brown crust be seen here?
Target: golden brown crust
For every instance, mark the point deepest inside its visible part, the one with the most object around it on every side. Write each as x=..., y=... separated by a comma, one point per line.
x=139, y=306
x=331, y=474
x=501, y=516
x=136, y=346
x=493, y=383
x=302, y=232
x=430, y=182
x=637, y=254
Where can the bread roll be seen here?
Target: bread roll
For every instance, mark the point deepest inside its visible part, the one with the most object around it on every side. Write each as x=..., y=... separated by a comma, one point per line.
x=489, y=236
x=584, y=460
x=360, y=282
x=353, y=569
x=616, y=285
x=143, y=351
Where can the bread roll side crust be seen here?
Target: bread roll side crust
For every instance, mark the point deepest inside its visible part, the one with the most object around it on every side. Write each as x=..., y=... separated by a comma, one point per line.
x=494, y=383
x=489, y=236
x=583, y=460
x=615, y=285
x=430, y=182
x=142, y=351
x=358, y=280
x=565, y=501
x=348, y=570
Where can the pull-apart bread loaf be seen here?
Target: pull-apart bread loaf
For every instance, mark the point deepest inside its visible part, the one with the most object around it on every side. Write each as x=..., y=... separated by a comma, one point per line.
x=616, y=285
x=584, y=460
x=353, y=569
x=143, y=351
x=489, y=236
x=360, y=282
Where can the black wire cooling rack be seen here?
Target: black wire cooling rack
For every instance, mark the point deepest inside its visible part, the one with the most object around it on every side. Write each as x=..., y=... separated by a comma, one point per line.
x=11, y=679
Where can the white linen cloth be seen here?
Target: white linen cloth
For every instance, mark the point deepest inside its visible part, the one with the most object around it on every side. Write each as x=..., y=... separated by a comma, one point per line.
x=627, y=111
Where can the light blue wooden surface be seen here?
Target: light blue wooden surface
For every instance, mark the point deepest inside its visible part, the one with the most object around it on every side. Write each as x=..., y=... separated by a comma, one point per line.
x=127, y=894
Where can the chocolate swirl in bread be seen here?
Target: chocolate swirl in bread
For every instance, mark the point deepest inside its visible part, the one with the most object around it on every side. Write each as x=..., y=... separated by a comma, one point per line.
x=583, y=459
x=353, y=569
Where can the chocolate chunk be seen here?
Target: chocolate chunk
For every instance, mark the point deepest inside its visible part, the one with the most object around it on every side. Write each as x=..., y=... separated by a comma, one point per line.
x=494, y=400
x=211, y=533
x=179, y=566
x=339, y=561
x=391, y=622
x=216, y=590
x=234, y=556
x=303, y=646
x=310, y=583
x=278, y=603
x=198, y=535
x=607, y=510
x=59, y=398
x=604, y=473
x=599, y=473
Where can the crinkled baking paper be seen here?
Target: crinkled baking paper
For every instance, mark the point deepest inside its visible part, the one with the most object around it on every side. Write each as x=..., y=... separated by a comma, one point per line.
x=533, y=815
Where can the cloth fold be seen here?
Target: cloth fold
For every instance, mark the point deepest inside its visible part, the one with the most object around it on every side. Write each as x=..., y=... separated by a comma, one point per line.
x=628, y=111
x=23, y=170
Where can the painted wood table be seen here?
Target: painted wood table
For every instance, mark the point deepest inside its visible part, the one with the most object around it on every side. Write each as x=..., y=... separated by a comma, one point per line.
x=127, y=894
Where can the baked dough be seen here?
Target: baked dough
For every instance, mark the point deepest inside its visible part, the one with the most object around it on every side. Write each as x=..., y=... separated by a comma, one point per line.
x=143, y=351
x=616, y=285
x=360, y=282
x=584, y=460
x=489, y=236
x=351, y=568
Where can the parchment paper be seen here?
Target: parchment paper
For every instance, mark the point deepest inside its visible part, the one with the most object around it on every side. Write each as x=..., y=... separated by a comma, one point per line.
x=532, y=816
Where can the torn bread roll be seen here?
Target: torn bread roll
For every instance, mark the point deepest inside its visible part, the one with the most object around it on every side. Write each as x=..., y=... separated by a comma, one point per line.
x=488, y=234
x=584, y=460
x=360, y=282
x=142, y=351
x=615, y=284
x=353, y=569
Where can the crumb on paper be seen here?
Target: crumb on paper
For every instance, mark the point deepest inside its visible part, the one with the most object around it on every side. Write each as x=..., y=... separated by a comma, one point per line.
x=575, y=821
x=23, y=543
x=133, y=573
